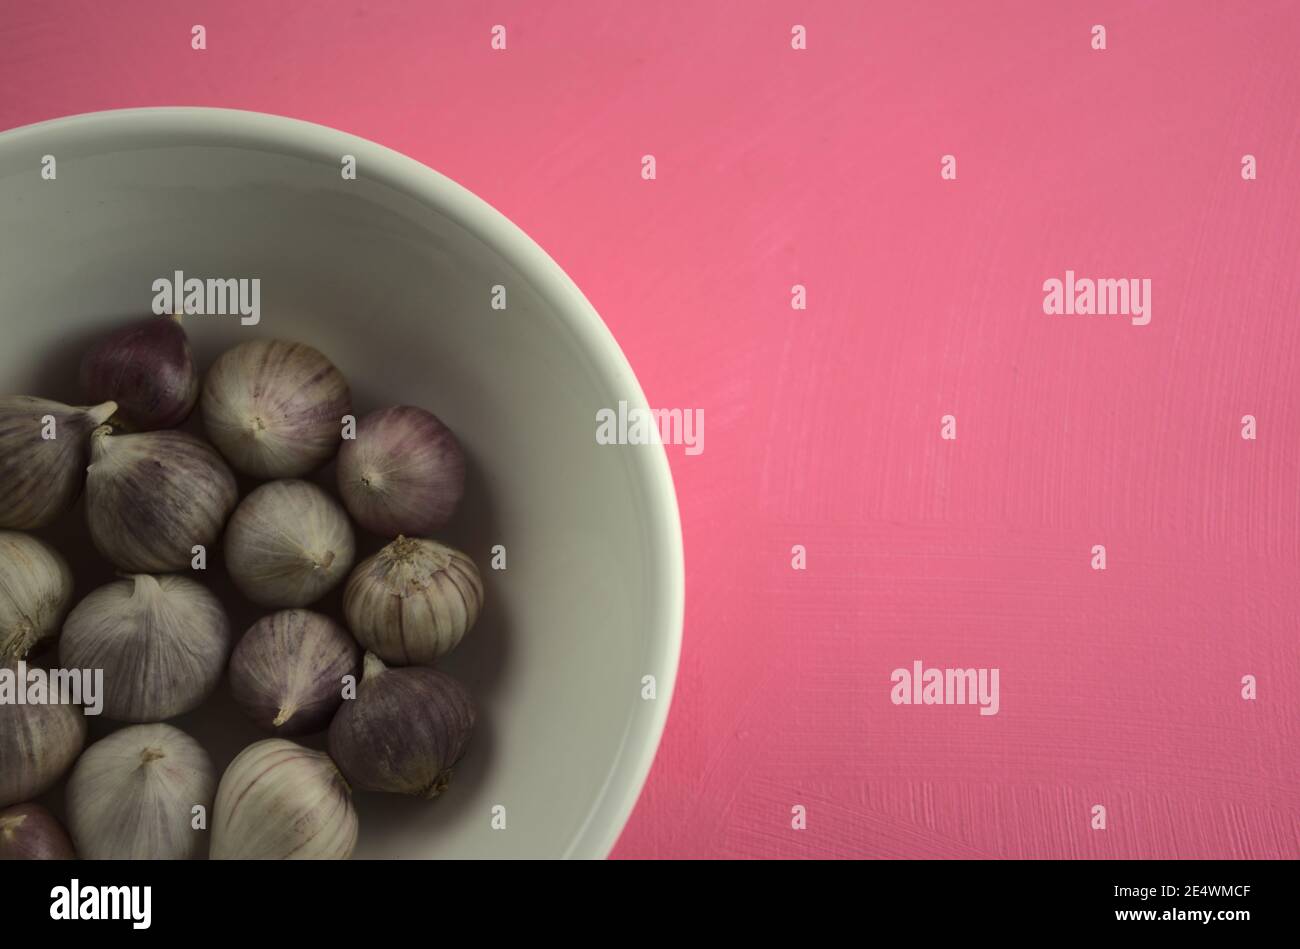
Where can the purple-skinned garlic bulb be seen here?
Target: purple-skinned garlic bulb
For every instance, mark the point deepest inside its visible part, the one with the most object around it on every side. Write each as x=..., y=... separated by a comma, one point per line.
x=148, y=369
x=38, y=743
x=30, y=832
x=404, y=473
x=404, y=732
x=287, y=672
x=152, y=497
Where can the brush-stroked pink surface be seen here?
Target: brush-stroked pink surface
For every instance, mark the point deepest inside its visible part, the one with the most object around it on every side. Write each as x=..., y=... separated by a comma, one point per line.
x=821, y=167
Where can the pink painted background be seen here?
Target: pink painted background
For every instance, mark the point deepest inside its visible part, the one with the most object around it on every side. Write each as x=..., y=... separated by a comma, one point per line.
x=821, y=167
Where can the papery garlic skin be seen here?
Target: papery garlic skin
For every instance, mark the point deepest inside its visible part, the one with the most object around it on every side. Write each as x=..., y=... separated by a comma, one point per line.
x=281, y=801
x=287, y=671
x=404, y=732
x=404, y=473
x=148, y=369
x=38, y=743
x=288, y=544
x=412, y=602
x=154, y=496
x=35, y=592
x=40, y=476
x=275, y=408
x=132, y=795
x=161, y=641
x=30, y=832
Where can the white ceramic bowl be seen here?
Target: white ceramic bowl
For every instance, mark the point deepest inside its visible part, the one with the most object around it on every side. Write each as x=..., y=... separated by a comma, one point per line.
x=392, y=276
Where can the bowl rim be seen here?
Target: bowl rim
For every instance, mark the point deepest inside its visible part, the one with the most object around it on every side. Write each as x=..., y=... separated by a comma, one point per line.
x=627, y=774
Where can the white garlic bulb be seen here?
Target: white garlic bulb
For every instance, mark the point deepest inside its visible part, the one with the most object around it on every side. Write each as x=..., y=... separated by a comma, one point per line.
x=161, y=641
x=274, y=408
x=132, y=796
x=412, y=602
x=281, y=801
x=43, y=450
x=35, y=591
x=288, y=544
x=38, y=743
x=152, y=497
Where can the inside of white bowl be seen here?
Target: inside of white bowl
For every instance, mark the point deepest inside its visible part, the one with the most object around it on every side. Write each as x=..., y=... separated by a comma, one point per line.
x=393, y=276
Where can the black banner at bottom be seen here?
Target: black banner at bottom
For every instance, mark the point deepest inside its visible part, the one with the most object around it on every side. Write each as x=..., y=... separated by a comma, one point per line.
x=136, y=900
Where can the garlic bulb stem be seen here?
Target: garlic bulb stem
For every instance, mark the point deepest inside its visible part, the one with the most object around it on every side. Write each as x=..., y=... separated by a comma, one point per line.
x=373, y=667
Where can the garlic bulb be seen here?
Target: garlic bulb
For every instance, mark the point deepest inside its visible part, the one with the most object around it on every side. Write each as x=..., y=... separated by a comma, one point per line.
x=132, y=796
x=30, y=832
x=404, y=731
x=281, y=801
x=161, y=641
x=288, y=544
x=404, y=473
x=35, y=591
x=412, y=602
x=152, y=497
x=43, y=449
x=148, y=370
x=275, y=408
x=287, y=672
x=38, y=743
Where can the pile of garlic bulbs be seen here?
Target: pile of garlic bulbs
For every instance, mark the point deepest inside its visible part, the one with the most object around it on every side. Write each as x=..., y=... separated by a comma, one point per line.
x=158, y=502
